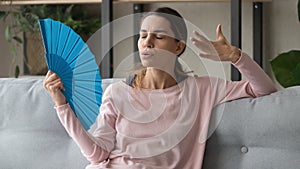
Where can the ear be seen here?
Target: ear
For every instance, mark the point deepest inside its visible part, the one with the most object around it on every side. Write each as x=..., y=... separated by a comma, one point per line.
x=180, y=47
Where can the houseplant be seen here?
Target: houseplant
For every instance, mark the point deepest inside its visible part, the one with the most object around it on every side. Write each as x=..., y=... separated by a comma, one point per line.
x=24, y=29
x=286, y=66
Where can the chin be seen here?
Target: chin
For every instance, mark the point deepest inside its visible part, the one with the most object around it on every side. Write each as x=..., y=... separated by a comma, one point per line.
x=147, y=64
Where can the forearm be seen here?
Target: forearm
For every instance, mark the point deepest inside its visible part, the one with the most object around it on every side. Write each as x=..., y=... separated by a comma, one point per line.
x=259, y=81
x=89, y=148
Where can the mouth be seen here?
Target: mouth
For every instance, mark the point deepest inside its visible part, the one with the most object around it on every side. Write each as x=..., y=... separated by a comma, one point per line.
x=146, y=54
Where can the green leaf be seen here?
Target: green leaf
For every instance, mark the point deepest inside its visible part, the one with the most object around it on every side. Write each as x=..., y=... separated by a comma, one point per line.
x=286, y=68
x=2, y=14
x=296, y=73
x=8, y=35
x=17, y=71
x=18, y=39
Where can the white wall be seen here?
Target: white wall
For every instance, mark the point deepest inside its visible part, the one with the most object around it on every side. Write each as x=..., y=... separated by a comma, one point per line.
x=123, y=38
x=281, y=31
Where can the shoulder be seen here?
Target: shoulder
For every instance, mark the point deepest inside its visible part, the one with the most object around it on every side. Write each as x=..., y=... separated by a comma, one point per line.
x=109, y=85
x=205, y=82
x=130, y=79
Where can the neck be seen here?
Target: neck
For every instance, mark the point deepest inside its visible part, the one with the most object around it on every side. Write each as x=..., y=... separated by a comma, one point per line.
x=158, y=79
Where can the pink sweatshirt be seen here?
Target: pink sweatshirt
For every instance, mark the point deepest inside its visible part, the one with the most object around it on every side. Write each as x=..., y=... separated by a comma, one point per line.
x=163, y=128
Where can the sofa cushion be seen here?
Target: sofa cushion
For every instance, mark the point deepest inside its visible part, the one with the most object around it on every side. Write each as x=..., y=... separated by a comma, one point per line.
x=31, y=135
x=258, y=133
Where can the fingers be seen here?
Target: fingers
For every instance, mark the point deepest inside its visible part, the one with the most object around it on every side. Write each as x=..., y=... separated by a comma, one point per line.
x=220, y=35
x=206, y=50
x=52, y=82
x=200, y=37
x=48, y=74
x=203, y=44
x=56, y=85
x=219, y=32
x=51, y=77
x=196, y=42
x=218, y=50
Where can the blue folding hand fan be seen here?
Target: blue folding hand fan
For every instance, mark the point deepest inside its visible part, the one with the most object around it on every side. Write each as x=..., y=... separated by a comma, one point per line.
x=69, y=56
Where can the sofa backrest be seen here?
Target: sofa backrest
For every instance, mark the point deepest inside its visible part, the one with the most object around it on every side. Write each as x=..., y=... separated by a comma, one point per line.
x=31, y=135
x=261, y=133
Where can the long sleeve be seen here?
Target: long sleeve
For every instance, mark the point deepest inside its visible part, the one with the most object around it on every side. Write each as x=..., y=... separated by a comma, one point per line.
x=96, y=148
x=257, y=82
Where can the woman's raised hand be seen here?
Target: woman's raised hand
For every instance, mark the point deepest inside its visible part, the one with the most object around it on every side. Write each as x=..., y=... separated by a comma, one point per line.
x=218, y=50
x=53, y=84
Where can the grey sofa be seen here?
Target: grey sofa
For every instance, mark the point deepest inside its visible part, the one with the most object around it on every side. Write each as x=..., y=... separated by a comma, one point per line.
x=261, y=133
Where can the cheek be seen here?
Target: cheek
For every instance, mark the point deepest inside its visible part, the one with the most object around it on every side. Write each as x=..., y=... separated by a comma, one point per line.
x=139, y=44
x=168, y=49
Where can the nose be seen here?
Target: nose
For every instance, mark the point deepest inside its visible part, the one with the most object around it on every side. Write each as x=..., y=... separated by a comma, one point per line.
x=148, y=42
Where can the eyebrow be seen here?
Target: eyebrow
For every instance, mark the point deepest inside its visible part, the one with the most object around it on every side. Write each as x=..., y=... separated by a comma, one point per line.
x=155, y=31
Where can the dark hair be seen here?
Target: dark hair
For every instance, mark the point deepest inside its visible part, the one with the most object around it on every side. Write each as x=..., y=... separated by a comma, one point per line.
x=177, y=22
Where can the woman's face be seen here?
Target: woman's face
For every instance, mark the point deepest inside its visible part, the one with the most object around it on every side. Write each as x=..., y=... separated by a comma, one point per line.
x=157, y=46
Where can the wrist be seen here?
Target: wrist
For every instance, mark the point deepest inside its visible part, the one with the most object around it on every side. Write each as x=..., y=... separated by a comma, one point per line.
x=236, y=55
x=60, y=103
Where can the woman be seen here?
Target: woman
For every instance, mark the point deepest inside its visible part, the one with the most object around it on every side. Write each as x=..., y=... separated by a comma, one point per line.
x=159, y=117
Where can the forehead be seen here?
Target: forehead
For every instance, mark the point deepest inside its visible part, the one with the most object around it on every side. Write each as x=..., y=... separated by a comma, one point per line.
x=155, y=23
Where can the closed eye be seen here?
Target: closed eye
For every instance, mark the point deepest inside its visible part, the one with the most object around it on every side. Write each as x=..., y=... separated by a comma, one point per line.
x=143, y=35
x=157, y=36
